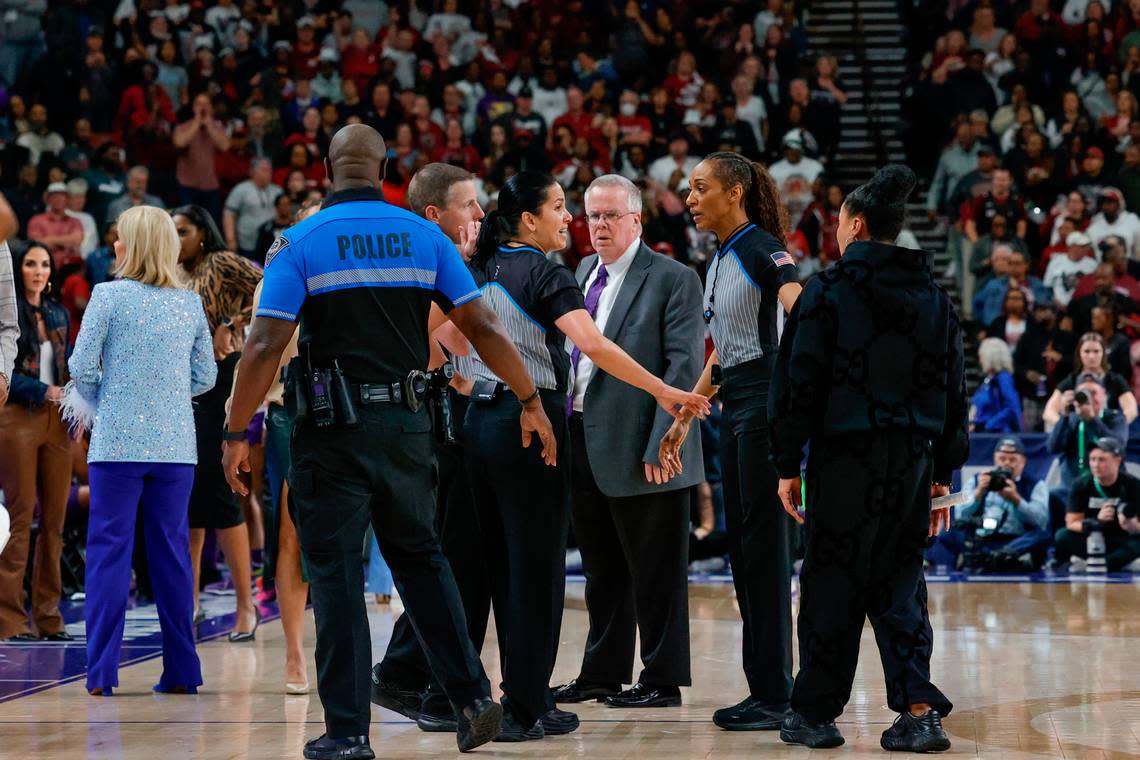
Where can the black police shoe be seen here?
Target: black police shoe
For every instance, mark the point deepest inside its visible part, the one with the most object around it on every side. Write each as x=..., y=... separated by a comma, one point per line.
x=396, y=698
x=750, y=715
x=641, y=695
x=584, y=691
x=513, y=729
x=558, y=722
x=799, y=730
x=437, y=716
x=349, y=748
x=916, y=733
x=478, y=723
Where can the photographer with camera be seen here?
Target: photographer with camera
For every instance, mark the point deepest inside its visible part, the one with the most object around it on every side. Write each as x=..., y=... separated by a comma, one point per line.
x=1105, y=500
x=1008, y=518
x=1086, y=419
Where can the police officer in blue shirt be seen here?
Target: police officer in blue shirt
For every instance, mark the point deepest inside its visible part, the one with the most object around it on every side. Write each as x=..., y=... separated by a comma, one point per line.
x=361, y=276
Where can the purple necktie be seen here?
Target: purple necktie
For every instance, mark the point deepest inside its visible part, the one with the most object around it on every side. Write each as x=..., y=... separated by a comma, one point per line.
x=593, y=296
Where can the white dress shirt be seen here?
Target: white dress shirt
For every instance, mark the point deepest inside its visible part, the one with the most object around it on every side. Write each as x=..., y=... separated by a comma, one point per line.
x=617, y=272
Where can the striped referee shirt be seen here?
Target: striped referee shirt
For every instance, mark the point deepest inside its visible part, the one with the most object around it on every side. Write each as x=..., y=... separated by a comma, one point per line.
x=741, y=289
x=528, y=292
x=9, y=324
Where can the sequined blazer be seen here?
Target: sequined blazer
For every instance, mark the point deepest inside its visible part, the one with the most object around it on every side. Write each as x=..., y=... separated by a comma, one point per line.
x=142, y=354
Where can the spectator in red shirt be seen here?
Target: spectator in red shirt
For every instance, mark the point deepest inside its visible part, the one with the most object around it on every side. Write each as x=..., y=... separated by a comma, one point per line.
x=578, y=120
x=300, y=159
x=141, y=102
x=999, y=200
x=306, y=52
x=360, y=61
x=456, y=151
x=62, y=234
x=1114, y=251
x=635, y=129
x=428, y=134
x=685, y=83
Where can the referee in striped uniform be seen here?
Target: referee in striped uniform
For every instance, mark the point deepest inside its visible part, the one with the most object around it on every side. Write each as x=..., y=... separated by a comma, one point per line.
x=750, y=284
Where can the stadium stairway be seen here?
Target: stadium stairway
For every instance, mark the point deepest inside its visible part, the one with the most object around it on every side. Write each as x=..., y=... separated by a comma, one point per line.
x=867, y=38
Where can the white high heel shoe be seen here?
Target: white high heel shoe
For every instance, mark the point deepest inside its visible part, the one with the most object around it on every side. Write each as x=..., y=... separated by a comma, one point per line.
x=297, y=689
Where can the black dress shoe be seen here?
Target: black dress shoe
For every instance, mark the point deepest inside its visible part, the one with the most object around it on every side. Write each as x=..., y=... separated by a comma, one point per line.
x=478, y=724
x=513, y=730
x=558, y=722
x=349, y=748
x=916, y=733
x=58, y=636
x=396, y=698
x=799, y=730
x=22, y=638
x=437, y=715
x=750, y=715
x=583, y=691
x=641, y=695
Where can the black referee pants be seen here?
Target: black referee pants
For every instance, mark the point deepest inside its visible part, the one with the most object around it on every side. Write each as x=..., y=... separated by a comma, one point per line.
x=635, y=555
x=404, y=662
x=384, y=471
x=868, y=521
x=758, y=533
x=524, y=515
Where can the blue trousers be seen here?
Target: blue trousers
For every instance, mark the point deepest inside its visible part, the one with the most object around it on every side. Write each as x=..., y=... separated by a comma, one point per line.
x=946, y=547
x=117, y=488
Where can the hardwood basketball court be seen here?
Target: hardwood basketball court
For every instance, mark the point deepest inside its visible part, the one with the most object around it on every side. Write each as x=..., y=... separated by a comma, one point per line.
x=1036, y=670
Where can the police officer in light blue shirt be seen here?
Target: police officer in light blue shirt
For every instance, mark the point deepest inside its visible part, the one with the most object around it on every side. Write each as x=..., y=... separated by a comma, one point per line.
x=361, y=277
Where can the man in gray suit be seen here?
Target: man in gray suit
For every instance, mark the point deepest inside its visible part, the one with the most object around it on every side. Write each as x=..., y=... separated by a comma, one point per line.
x=630, y=520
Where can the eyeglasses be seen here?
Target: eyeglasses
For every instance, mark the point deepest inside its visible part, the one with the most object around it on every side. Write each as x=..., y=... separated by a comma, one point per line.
x=609, y=217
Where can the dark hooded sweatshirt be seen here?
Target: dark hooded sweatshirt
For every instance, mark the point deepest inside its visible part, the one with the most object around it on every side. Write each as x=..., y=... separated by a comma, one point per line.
x=872, y=345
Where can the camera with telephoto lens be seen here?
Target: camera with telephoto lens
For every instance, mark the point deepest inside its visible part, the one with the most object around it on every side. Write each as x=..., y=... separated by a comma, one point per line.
x=1080, y=398
x=1000, y=477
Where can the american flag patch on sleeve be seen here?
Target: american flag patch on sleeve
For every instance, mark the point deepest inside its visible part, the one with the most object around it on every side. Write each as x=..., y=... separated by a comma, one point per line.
x=783, y=259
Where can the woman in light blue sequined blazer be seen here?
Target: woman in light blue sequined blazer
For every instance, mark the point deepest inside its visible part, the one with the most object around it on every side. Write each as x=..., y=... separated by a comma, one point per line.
x=143, y=352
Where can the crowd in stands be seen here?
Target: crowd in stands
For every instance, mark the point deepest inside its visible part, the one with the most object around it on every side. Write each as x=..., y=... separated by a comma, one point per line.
x=1036, y=179
x=228, y=106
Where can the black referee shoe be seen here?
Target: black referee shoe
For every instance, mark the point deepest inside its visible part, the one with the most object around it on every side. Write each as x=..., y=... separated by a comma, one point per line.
x=349, y=748
x=799, y=730
x=750, y=715
x=558, y=722
x=916, y=733
x=479, y=723
x=437, y=716
x=396, y=698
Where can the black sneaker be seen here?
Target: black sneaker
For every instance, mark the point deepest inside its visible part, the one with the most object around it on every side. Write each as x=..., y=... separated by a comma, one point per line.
x=750, y=715
x=916, y=733
x=349, y=748
x=394, y=697
x=799, y=730
x=513, y=730
x=558, y=722
x=436, y=715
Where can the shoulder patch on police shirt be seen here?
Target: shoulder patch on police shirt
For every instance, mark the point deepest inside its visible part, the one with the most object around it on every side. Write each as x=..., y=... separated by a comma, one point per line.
x=779, y=258
x=274, y=249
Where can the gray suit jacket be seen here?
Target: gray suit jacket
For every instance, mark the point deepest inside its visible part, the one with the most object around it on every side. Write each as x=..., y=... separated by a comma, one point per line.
x=656, y=319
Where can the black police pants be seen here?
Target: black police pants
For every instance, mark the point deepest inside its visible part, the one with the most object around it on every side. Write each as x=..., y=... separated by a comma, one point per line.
x=868, y=523
x=404, y=663
x=635, y=558
x=758, y=529
x=383, y=471
x=524, y=515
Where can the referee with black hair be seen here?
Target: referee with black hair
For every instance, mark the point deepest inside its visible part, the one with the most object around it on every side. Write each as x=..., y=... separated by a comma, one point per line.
x=361, y=277
x=870, y=371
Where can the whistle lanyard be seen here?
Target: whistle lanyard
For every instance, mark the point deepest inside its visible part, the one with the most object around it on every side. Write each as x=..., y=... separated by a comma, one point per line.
x=1099, y=490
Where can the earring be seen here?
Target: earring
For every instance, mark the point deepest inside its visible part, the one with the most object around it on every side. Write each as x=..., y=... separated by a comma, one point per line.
x=48, y=288
x=850, y=239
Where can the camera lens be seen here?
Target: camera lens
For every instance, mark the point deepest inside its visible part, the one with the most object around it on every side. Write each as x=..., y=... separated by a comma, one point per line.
x=1081, y=397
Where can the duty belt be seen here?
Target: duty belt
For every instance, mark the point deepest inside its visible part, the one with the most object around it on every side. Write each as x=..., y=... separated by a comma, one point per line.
x=410, y=392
